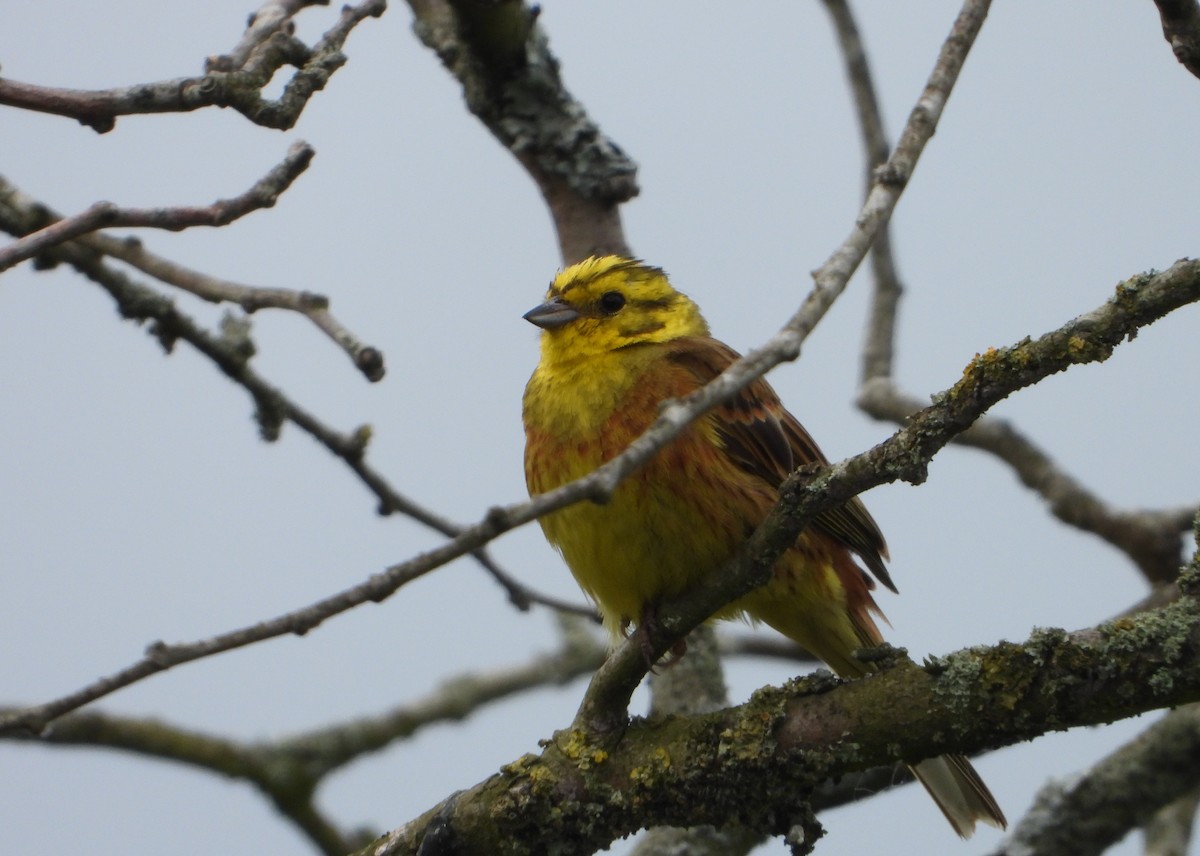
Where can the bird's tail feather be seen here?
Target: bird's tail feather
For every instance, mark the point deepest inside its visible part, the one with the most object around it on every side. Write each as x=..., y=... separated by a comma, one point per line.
x=959, y=793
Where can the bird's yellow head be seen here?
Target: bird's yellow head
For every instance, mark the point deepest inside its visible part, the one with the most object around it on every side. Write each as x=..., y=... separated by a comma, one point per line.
x=607, y=303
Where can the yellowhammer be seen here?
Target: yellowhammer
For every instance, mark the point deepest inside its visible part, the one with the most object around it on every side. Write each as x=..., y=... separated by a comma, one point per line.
x=618, y=340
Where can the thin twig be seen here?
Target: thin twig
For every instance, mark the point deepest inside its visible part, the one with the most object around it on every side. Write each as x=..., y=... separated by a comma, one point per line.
x=366, y=358
x=262, y=194
x=879, y=341
x=289, y=771
x=1151, y=539
x=234, y=80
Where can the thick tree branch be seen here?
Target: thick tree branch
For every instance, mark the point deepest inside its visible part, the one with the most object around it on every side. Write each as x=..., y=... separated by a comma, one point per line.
x=1181, y=29
x=1087, y=814
x=748, y=766
x=511, y=83
x=233, y=80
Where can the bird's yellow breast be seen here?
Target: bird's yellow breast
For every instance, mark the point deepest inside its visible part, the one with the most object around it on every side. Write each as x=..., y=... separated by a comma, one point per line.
x=668, y=525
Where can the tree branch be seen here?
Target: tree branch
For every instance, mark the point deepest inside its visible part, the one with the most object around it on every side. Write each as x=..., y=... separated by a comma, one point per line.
x=234, y=80
x=289, y=771
x=511, y=83
x=987, y=380
x=1181, y=28
x=1089, y=813
x=1152, y=540
x=1169, y=831
x=42, y=229
x=366, y=358
x=879, y=341
x=748, y=766
x=262, y=194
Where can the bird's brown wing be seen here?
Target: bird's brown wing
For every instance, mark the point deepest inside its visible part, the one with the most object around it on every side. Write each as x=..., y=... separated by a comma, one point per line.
x=764, y=439
x=851, y=523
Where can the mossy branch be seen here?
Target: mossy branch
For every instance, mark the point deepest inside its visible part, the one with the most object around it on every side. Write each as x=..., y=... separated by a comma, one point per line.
x=753, y=766
x=988, y=379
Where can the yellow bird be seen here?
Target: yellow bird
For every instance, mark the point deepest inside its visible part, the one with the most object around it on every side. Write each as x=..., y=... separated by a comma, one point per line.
x=617, y=341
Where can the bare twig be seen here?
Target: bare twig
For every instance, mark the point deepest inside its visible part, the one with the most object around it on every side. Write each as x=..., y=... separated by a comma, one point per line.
x=262, y=194
x=1181, y=29
x=289, y=771
x=231, y=353
x=366, y=358
x=879, y=341
x=1151, y=539
x=234, y=80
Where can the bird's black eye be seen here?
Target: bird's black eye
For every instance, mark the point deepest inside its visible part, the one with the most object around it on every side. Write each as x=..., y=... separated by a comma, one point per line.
x=612, y=301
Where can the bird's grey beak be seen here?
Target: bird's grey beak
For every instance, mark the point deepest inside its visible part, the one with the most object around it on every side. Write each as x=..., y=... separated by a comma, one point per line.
x=552, y=314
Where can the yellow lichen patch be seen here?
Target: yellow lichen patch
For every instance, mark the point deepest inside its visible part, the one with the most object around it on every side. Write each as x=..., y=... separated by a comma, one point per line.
x=520, y=767
x=980, y=361
x=541, y=775
x=660, y=762
x=575, y=746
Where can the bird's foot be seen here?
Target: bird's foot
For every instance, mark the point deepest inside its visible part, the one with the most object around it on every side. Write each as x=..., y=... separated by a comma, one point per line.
x=647, y=629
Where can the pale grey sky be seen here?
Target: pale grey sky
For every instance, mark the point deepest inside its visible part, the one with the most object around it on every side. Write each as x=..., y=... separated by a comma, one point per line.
x=139, y=503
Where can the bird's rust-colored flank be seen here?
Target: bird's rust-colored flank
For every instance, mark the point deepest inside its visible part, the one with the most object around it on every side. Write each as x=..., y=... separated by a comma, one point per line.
x=617, y=341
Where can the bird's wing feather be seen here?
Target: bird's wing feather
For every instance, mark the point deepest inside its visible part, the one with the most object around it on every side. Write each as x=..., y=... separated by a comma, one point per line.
x=767, y=441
